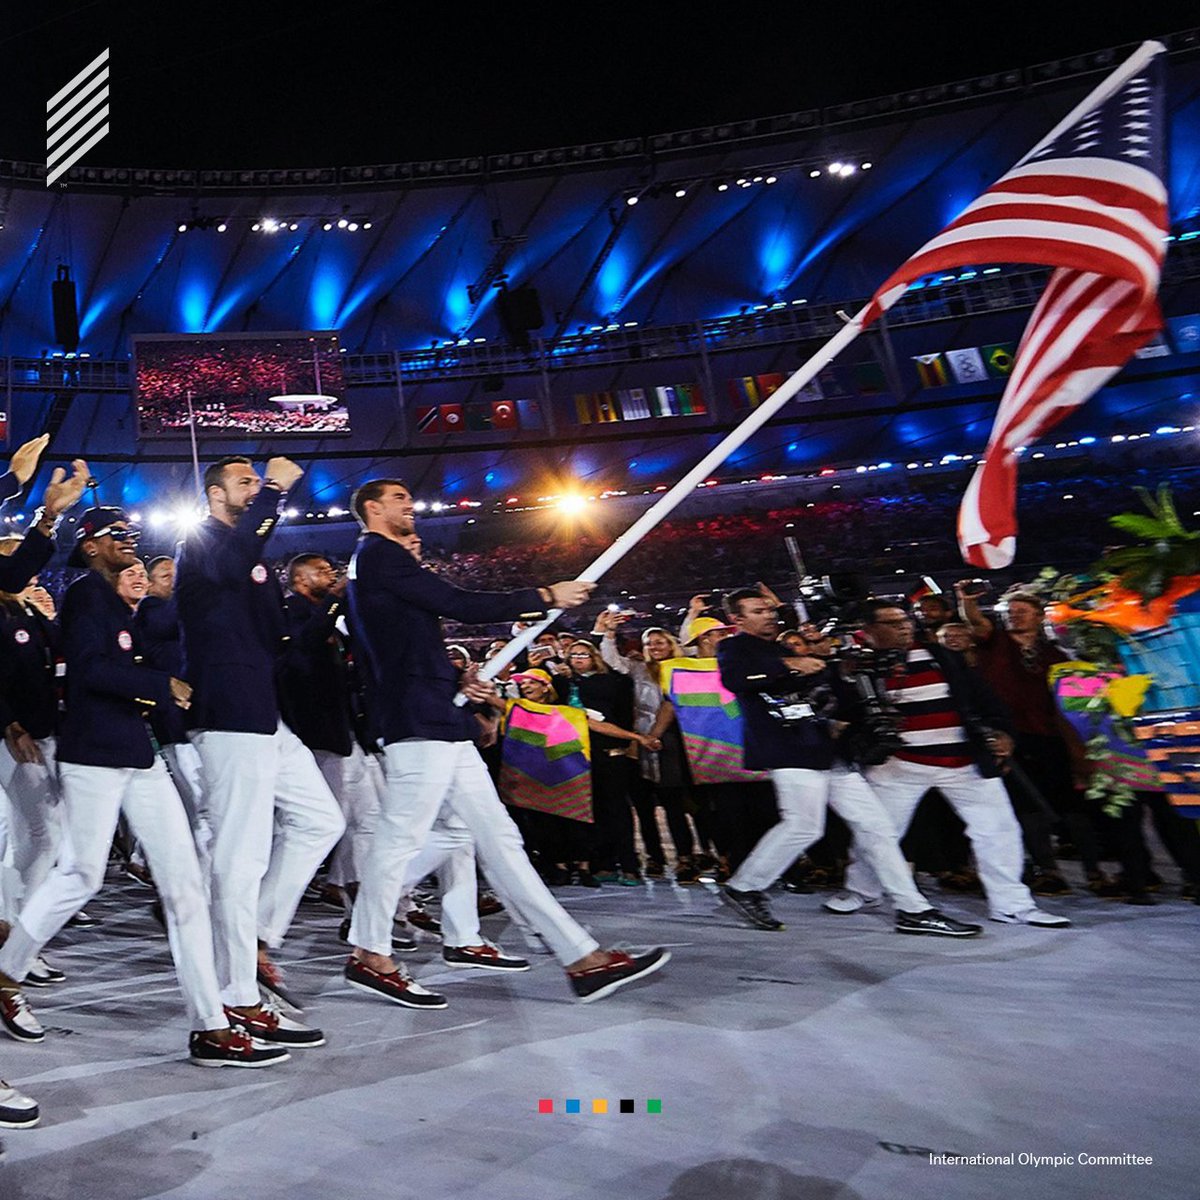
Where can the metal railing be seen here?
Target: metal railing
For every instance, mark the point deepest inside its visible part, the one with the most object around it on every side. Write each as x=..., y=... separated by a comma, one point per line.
x=971, y=293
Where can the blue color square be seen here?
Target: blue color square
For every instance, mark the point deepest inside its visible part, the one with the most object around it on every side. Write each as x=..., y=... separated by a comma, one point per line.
x=572, y=1106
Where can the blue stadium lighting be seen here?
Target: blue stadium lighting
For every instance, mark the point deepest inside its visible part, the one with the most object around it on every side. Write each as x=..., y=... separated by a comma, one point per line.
x=327, y=226
x=835, y=168
x=866, y=166
x=342, y=223
x=680, y=193
x=631, y=200
x=722, y=187
x=222, y=227
x=991, y=270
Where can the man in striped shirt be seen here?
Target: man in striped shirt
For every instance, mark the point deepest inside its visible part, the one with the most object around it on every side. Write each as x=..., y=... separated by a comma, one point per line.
x=954, y=735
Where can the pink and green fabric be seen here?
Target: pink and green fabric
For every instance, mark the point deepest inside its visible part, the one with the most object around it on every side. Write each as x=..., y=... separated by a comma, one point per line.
x=710, y=720
x=1097, y=702
x=545, y=761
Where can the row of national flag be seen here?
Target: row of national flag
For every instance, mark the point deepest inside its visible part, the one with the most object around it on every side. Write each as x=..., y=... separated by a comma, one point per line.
x=977, y=364
x=640, y=404
x=974, y=364
x=479, y=417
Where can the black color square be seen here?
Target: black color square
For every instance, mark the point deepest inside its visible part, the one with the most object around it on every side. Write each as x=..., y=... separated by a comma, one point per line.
x=627, y=1106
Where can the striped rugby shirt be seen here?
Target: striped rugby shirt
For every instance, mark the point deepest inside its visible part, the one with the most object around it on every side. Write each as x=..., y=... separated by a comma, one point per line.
x=931, y=725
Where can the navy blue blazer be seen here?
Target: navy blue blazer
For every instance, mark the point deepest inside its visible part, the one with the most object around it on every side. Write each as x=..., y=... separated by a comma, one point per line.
x=314, y=679
x=29, y=647
x=157, y=622
x=110, y=689
x=9, y=487
x=395, y=606
x=751, y=666
x=231, y=614
x=19, y=567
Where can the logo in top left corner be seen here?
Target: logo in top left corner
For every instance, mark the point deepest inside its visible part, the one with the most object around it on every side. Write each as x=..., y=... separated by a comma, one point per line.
x=77, y=118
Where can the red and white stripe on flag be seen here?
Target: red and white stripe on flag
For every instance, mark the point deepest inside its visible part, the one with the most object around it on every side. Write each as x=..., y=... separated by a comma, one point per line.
x=1088, y=200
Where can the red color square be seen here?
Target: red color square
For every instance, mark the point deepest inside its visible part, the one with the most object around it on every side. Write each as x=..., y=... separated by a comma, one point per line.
x=545, y=1106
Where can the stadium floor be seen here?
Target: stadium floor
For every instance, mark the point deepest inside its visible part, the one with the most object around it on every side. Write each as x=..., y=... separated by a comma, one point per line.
x=821, y=1063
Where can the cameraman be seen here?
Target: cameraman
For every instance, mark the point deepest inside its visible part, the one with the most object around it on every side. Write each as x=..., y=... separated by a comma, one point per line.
x=953, y=732
x=787, y=703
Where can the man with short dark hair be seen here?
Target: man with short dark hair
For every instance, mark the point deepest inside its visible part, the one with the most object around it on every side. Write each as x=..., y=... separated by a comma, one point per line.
x=273, y=817
x=787, y=704
x=107, y=765
x=955, y=738
x=432, y=762
x=315, y=697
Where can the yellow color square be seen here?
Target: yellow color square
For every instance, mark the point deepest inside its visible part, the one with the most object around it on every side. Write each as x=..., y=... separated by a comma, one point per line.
x=599, y=1106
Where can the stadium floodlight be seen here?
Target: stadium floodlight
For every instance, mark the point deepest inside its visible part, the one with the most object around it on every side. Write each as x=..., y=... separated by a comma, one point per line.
x=835, y=168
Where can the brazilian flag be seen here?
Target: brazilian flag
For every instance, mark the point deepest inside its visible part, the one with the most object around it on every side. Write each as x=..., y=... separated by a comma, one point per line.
x=999, y=359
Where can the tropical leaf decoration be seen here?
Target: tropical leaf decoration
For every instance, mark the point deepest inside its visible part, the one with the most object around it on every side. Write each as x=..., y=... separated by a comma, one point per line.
x=1168, y=550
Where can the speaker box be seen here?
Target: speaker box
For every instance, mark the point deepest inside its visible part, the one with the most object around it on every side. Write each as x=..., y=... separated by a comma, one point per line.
x=66, y=317
x=520, y=311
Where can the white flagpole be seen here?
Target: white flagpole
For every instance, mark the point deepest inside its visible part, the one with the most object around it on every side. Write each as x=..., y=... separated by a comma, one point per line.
x=669, y=500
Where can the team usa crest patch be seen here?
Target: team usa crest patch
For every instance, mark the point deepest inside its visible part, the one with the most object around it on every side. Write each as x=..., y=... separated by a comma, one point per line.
x=21, y=637
x=124, y=640
x=259, y=574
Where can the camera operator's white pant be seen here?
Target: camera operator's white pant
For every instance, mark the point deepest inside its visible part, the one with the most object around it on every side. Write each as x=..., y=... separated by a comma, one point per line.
x=273, y=821
x=33, y=821
x=350, y=780
x=803, y=796
x=92, y=799
x=424, y=777
x=985, y=809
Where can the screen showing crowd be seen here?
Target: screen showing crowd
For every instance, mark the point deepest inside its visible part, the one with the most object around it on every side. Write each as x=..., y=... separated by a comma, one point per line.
x=265, y=385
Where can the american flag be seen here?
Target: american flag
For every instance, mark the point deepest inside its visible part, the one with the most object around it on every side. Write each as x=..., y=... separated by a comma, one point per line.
x=1088, y=200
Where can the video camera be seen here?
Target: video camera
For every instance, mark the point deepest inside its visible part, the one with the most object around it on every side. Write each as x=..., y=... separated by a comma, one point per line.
x=834, y=604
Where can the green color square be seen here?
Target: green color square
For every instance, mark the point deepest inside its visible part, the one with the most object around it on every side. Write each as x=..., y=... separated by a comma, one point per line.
x=654, y=1106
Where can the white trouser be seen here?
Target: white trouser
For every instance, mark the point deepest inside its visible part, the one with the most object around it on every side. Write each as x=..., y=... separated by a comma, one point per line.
x=355, y=791
x=985, y=809
x=802, y=796
x=423, y=778
x=33, y=826
x=184, y=763
x=450, y=851
x=252, y=782
x=92, y=799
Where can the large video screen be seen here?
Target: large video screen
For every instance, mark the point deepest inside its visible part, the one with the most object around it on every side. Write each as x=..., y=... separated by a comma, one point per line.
x=252, y=385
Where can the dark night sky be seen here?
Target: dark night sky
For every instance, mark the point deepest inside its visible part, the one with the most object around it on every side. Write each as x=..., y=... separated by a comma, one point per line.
x=254, y=84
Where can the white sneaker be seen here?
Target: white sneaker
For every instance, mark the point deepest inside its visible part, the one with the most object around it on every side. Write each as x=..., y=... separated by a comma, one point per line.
x=16, y=1111
x=1033, y=916
x=851, y=902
